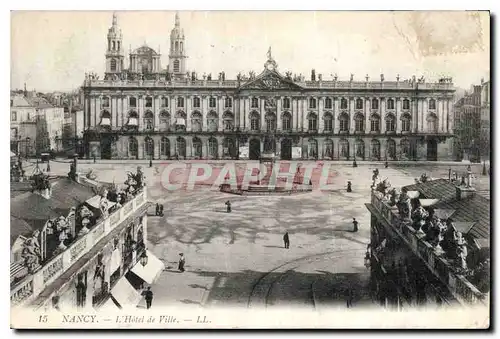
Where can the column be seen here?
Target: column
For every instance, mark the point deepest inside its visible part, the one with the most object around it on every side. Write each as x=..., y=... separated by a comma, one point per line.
x=383, y=109
x=247, y=113
x=398, y=114
x=279, y=104
x=141, y=144
x=335, y=114
x=220, y=112
x=156, y=152
x=140, y=112
x=367, y=110
x=156, y=112
x=92, y=111
x=189, y=100
x=302, y=113
x=113, y=112
x=321, y=105
x=237, y=112
x=422, y=115
x=204, y=112
x=352, y=126
x=97, y=113
x=173, y=103
x=441, y=114
x=415, y=107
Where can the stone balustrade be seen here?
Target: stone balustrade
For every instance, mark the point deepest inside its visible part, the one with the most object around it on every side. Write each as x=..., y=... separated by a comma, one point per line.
x=31, y=286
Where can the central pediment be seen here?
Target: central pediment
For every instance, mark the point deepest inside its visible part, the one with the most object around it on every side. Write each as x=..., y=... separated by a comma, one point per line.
x=270, y=80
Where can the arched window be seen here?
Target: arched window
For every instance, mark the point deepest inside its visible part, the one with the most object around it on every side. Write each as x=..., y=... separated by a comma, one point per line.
x=113, y=65
x=212, y=121
x=197, y=148
x=228, y=120
x=255, y=121
x=176, y=66
x=344, y=122
x=148, y=120
x=181, y=147
x=375, y=103
x=328, y=120
x=359, y=103
x=165, y=147
x=105, y=102
x=228, y=102
x=286, y=103
x=118, y=45
x=196, y=102
x=180, y=102
x=149, y=102
x=390, y=103
x=360, y=148
x=359, y=123
x=182, y=46
x=133, y=147
x=114, y=45
x=374, y=123
x=213, y=148
x=343, y=103
x=328, y=103
x=286, y=121
x=270, y=122
x=180, y=121
x=149, y=146
x=432, y=126
x=212, y=102
x=312, y=122
x=255, y=102
x=375, y=149
x=164, y=121
x=390, y=123
x=132, y=102
x=313, y=148
x=164, y=102
x=391, y=149
x=405, y=123
x=177, y=46
x=432, y=104
x=196, y=122
x=406, y=104
x=344, y=148
x=312, y=103
x=328, y=145
x=405, y=147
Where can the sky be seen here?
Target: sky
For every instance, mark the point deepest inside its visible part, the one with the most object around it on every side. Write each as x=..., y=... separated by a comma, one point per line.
x=52, y=50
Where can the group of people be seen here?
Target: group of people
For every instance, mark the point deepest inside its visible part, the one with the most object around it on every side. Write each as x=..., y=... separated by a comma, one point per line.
x=159, y=210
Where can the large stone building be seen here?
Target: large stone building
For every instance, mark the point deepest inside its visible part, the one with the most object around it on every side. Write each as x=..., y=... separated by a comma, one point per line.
x=485, y=117
x=467, y=127
x=146, y=112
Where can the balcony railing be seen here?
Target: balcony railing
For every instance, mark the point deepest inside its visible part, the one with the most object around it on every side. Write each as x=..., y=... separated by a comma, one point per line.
x=31, y=286
x=459, y=286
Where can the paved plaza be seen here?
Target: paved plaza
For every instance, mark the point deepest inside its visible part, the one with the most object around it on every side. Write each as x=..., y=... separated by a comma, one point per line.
x=239, y=259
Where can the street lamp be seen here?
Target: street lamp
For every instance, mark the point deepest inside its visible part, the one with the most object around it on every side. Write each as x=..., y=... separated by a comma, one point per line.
x=28, y=140
x=144, y=259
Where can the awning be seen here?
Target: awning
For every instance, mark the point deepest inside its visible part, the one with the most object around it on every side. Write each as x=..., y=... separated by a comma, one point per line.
x=132, y=122
x=106, y=121
x=151, y=271
x=125, y=294
x=115, y=261
x=180, y=121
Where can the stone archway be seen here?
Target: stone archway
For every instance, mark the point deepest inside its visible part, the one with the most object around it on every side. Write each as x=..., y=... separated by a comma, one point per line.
x=254, y=149
x=286, y=149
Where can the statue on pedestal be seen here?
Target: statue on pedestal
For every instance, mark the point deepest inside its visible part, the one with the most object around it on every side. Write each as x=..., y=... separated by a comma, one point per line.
x=31, y=253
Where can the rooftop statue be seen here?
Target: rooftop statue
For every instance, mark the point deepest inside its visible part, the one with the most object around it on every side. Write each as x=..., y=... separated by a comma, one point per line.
x=31, y=253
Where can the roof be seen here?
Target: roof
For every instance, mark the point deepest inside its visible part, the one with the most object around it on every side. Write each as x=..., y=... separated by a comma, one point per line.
x=39, y=102
x=20, y=101
x=30, y=211
x=474, y=209
x=144, y=50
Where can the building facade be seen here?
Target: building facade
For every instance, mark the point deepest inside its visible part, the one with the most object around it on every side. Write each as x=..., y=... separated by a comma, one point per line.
x=467, y=127
x=146, y=112
x=429, y=245
x=485, y=117
x=93, y=256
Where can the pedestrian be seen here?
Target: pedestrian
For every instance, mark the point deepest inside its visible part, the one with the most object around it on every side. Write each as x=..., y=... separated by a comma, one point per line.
x=182, y=261
x=349, y=187
x=386, y=164
x=286, y=240
x=349, y=297
x=157, y=209
x=161, y=210
x=94, y=158
x=228, y=206
x=150, y=163
x=148, y=295
x=355, y=224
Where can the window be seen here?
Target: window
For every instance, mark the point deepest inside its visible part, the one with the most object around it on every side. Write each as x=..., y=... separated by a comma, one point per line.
x=432, y=104
x=271, y=122
x=176, y=66
x=343, y=103
x=390, y=104
x=432, y=124
x=133, y=147
x=312, y=103
x=328, y=103
x=228, y=121
x=212, y=103
x=228, y=102
x=132, y=102
x=13, y=116
x=359, y=103
x=148, y=120
x=113, y=65
x=313, y=122
x=196, y=120
x=255, y=102
x=406, y=104
x=359, y=123
x=180, y=102
x=344, y=123
x=114, y=45
x=165, y=147
x=287, y=121
x=328, y=123
x=105, y=102
x=150, y=147
x=389, y=123
x=164, y=102
x=374, y=103
x=286, y=103
x=164, y=121
x=212, y=121
x=375, y=125
x=118, y=45
x=212, y=148
x=254, y=122
x=196, y=102
x=149, y=102
x=405, y=123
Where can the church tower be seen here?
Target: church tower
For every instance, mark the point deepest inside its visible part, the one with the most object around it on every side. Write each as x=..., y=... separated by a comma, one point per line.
x=177, y=56
x=114, y=53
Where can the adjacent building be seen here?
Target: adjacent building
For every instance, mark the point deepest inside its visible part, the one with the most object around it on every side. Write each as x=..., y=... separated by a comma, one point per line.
x=430, y=244
x=485, y=118
x=77, y=244
x=148, y=112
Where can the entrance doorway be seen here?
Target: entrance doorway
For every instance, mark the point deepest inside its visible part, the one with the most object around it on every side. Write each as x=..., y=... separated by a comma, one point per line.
x=432, y=150
x=106, y=141
x=254, y=151
x=286, y=149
